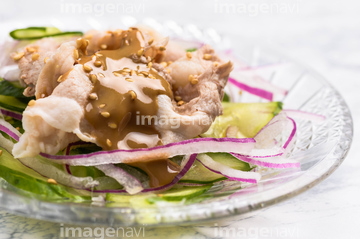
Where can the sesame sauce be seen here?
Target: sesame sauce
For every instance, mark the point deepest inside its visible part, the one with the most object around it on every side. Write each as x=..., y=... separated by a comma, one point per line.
x=160, y=172
x=124, y=90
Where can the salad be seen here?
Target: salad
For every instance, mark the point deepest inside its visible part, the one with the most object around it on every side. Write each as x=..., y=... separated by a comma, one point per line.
x=132, y=117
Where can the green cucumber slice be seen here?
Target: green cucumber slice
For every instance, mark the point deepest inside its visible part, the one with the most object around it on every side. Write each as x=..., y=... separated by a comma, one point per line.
x=84, y=171
x=247, y=118
x=66, y=34
x=32, y=33
x=231, y=161
x=9, y=88
x=178, y=194
x=52, y=30
x=146, y=200
x=33, y=184
x=199, y=174
x=28, y=33
x=12, y=103
x=125, y=200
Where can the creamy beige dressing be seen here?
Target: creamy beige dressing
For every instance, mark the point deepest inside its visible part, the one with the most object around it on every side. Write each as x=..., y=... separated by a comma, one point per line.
x=125, y=89
x=161, y=172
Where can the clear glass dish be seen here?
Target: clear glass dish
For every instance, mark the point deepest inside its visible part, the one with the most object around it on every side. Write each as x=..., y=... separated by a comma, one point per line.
x=320, y=147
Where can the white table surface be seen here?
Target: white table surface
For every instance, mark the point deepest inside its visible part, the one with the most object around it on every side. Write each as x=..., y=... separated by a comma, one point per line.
x=324, y=34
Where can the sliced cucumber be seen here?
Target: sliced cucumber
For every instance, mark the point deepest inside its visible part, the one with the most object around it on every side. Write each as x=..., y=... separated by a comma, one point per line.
x=105, y=183
x=125, y=200
x=246, y=118
x=146, y=200
x=199, y=174
x=9, y=88
x=31, y=183
x=66, y=34
x=229, y=160
x=32, y=33
x=178, y=194
x=12, y=103
x=52, y=30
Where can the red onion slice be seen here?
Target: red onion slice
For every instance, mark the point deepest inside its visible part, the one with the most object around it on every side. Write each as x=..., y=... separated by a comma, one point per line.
x=269, y=162
x=252, y=90
x=292, y=134
x=265, y=138
x=256, y=76
x=7, y=128
x=277, y=125
x=185, y=166
x=249, y=79
x=11, y=114
x=305, y=115
x=191, y=146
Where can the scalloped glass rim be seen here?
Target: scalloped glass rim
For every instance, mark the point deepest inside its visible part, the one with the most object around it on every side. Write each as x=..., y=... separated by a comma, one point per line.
x=320, y=147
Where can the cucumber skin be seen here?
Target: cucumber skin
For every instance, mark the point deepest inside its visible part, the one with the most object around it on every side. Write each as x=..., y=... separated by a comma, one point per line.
x=198, y=176
x=32, y=184
x=13, y=89
x=43, y=32
x=184, y=193
x=145, y=200
x=224, y=158
x=11, y=96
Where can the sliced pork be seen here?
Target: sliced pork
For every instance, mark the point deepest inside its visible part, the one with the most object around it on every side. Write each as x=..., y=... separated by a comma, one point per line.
x=100, y=90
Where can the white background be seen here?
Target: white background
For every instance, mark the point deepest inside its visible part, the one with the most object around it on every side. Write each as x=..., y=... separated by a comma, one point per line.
x=323, y=34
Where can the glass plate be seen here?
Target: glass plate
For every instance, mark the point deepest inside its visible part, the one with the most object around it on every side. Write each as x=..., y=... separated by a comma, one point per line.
x=320, y=147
